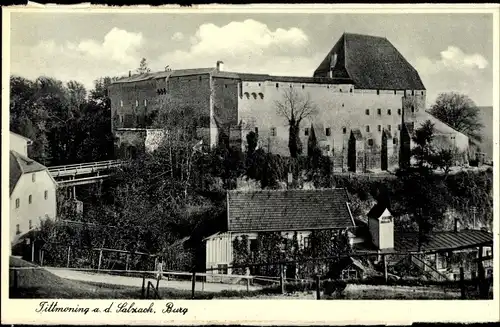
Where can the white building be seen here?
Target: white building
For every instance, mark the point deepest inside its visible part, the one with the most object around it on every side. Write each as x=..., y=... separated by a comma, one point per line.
x=32, y=190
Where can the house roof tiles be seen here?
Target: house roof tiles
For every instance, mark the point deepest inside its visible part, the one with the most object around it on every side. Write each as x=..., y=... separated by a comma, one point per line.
x=281, y=210
x=20, y=165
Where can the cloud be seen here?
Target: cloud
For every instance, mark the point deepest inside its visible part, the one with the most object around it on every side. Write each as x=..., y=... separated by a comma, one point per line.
x=83, y=61
x=246, y=46
x=456, y=71
x=178, y=36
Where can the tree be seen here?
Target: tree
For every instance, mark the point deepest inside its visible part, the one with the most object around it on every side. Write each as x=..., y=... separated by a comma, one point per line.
x=424, y=150
x=143, y=67
x=295, y=107
x=460, y=112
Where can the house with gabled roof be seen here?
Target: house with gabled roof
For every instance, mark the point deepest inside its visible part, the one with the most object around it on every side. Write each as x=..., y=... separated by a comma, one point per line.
x=32, y=190
x=285, y=211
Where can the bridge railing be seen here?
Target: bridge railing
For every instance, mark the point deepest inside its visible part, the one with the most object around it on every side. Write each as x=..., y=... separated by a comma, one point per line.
x=85, y=165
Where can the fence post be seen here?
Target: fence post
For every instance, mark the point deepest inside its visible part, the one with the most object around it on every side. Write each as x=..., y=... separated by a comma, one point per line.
x=462, y=284
x=41, y=257
x=282, y=282
x=69, y=253
x=143, y=285
x=248, y=284
x=33, y=250
x=385, y=268
x=193, y=284
x=318, y=287
x=100, y=260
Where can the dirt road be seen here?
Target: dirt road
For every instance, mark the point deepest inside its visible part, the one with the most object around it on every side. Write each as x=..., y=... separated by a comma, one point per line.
x=137, y=282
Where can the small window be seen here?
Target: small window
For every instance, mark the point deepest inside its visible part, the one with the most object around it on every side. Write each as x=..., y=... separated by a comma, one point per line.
x=18, y=231
x=367, y=111
x=256, y=130
x=340, y=90
x=291, y=85
x=30, y=224
x=379, y=111
x=422, y=93
x=261, y=95
x=342, y=105
x=328, y=131
x=328, y=86
x=394, y=91
x=254, y=95
x=399, y=127
x=389, y=128
x=277, y=84
x=46, y=194
x=394, y=141
x=18, y=203
x=33, y=177
x=412, y=92
x=273, y=131
x=199, y=78
x=370, y=142
x=259, y=84
x=225, y=86
x=30, y=199
x=412, y=108
x=378, y=92
x=247, y=95
x=399, y=112
x=379, y=128
x=367, y=128
x=344, y=130
x=350, y=90
x=306, y=131
x=302, y=86
x=389, y=112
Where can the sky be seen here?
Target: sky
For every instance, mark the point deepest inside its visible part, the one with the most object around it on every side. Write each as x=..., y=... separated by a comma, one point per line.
x=451, y=52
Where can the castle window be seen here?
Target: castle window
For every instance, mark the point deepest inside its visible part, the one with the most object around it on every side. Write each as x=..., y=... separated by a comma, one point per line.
x=254, y=95
x=33, y=177
x=199, y=78
x=328, y=131
x=379, y=127
x=379, y=111
x=247, y=95
x=412, y=108
x=370, y=142
x=422, y=92
x=273, y=131
x=302, y=86
x=340, y=90
x=328, y=86
x=344, y=130
x=261, y=95
x=399, y=112
x=45, y=194
x=367, y=128
x=389, y=127
x=378, y=92
x=256, y=130
x=412, y=92
x=18, y=203
x=394, y=141
x=30, y=199
x=306, y=131
x=277, y=84
x=18, y=231
x=225, y=86
x=389, y=112
x=367, y=111
x=291, y=85
x=394, y=91
x=350, y=90
x=259, y=84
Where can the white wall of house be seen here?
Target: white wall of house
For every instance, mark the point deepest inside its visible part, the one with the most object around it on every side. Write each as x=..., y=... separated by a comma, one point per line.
x=19, y=144
x=41, y=188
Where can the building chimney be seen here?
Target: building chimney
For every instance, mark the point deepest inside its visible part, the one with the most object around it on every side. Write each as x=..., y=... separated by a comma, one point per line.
x=456, y=225
x=220, y=66
x=129, y=73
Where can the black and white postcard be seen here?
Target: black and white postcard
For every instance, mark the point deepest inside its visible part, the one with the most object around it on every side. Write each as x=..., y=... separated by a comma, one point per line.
x=160, y=159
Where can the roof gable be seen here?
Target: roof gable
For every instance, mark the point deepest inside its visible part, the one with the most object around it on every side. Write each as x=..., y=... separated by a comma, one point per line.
x=372, y=63
x=287, y=210
x=20, y=165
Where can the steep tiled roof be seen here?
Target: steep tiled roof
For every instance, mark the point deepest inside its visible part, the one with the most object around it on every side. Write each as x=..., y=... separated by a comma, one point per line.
x=377, y=211
x=372, y=63
x=20, y=165
x=287, y=210
x=408, y=242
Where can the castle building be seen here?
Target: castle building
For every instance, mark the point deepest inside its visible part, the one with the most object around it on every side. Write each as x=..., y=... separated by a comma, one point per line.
x=365, y=92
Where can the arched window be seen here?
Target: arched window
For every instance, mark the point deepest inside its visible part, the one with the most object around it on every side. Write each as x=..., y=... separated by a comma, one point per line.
x=261, y=95
x=389, y=112
x=254, y=95
x=399, y=112
x=247, y=95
